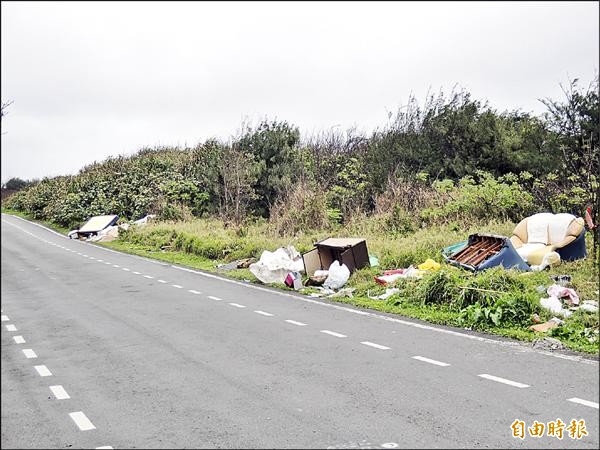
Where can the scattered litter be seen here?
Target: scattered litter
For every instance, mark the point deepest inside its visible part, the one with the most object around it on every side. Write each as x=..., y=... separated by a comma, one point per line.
x=229, y=266
x=373, y=261
x=560, y=292
x=430, y=265
x=555, y=306
x=589, y=305
x=345, y=292
x=273, y=267
x=535, y=318
x=562, y=280
x=391, y=276
x=293, y=280
x=388, y=293
x=543, y=327
x=315, y=281
x=338, y=276
x=237, y=264
x=144, y=220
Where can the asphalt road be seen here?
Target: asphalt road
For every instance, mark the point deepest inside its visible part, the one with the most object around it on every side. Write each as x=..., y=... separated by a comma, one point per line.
x=151, y=355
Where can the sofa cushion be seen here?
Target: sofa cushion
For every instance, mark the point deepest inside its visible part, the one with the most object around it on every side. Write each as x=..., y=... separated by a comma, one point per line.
x=537, y=228
x=558, y=226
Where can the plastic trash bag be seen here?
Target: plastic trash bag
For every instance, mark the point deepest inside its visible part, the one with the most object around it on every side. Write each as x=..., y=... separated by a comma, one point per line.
x=338, y=276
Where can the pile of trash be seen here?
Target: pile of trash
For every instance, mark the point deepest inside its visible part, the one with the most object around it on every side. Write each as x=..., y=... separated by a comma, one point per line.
x=105, y=228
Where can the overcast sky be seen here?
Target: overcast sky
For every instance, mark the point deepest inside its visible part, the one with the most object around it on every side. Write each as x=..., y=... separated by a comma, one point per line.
x=91, y=80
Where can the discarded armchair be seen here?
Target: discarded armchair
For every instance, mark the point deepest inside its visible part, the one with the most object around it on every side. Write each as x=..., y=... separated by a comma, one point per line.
x=536, y=236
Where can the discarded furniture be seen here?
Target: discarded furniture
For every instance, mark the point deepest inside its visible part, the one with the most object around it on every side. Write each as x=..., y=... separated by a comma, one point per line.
x=542, y=233
x=93, y=226
x=483, y=251
x=349, y=251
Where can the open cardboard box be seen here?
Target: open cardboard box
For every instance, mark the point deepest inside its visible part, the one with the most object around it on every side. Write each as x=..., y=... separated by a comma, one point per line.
x=350, y=251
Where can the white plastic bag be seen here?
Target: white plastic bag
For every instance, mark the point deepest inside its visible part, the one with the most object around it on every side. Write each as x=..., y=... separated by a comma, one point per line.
x=338, y=276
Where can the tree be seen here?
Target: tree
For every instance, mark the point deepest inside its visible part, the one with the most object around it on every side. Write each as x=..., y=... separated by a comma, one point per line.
x=576, y=121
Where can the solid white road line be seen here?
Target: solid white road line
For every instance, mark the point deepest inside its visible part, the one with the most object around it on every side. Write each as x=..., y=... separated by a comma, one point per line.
x=82, y=421
x=194, y=292
x=19, y=339
x=583, y=402
x=431, y=361
x=503, y=380
x=212, y=297
x=11, y=327
x=293, y=322
x=161, y=281
x=43, y=371
x=177, y=286
x=59, y=392
x=237, y=305
x=29, y=353
x=262, y=313
x=372, y=344
x=333, y=333
x=148, y=276
x=5, y=318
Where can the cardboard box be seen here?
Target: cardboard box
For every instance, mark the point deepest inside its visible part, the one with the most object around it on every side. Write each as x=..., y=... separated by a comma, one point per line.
x=349, y=251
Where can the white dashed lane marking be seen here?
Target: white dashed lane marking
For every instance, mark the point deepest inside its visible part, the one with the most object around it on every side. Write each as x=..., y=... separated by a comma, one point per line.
x=100, y=260
x=161, y=281
x=333, y=333
x=148, y=276
x=115, y=265
x=431, y=361
x=293, y=322
x=177, y=286
x=137, y=273
x=107, y=263
x=237, y=305
x=59, y=392
x=18, y=339
x=583, y=402
x=262, y=313
x=106, y=446
x=43, y=371
x=82, y=421
x=29, y=353
x=374, y=345
x=11, y=327
x=5, y=318
x=503, y=380
x=212, y=297
x=194, y=292
x=125, y=269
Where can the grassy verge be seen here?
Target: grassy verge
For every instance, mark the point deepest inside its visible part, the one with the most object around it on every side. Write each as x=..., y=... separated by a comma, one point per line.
x=497, y=301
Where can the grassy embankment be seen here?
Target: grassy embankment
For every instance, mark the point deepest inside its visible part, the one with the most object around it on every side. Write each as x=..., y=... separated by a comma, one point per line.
x=497, y=301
